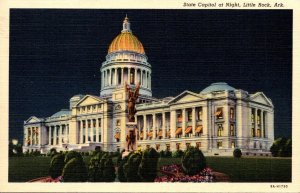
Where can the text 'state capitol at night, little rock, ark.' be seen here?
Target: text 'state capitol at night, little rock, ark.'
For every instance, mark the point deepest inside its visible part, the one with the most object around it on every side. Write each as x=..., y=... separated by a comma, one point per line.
x=217, y=119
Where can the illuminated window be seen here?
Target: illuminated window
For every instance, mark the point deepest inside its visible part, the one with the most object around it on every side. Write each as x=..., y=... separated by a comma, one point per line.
x=232, y=132
x=220, y=130
x=231, y=113
x=83, y=124
x=232, y=144
x=258, y=132
x=200, y=114
x=178, y=146
x=219, y=113
x=118, y=122
x=157, y=147
x=219, y=144
x=190, y=115
x=179, y=118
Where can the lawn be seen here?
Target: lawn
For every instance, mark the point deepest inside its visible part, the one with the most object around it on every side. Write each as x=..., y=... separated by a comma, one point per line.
x=246, y=169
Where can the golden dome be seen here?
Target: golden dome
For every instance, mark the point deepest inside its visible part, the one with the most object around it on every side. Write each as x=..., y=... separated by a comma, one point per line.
x=126, y=41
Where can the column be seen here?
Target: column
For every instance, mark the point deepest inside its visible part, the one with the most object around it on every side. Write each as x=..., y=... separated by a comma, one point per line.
x=149, y=80
x=193, y=120
x=183, y=122
x=263, y=124
x=122, y=77
x=60, y=134
x=154, y=126
x=40, y=135
x=135, y=76
x=164, y=124
x=50, y=133
x=86, y=131
x=173, y=123
x=145, y=127
x=115, y=83
x=31, y=136
x=26, y=131
x=142, y=78
x=97, y=129
x=81, y=131
x=255, y=123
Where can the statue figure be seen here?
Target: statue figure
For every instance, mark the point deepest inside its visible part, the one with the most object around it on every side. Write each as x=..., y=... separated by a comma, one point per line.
x=130, y=139
x=132, y=97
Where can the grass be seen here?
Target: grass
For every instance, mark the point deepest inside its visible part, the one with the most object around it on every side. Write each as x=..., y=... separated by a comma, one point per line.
x=245, y=169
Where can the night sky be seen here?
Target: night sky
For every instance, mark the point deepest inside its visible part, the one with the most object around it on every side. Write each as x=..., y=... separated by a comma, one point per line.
x=56, y=53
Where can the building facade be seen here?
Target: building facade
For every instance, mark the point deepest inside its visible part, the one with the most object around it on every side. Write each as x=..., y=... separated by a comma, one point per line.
x=218, y=119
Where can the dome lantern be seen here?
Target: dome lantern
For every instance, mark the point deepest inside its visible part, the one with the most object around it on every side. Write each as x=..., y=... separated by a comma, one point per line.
x=126, y=25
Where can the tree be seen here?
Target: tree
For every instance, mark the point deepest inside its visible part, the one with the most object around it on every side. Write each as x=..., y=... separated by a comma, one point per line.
x=282, y=147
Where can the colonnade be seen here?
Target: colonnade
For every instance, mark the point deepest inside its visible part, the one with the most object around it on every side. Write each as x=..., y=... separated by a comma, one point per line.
x=118, y=76
x=90, y=130
x=58, y=134
x=32, y=136
x=258, y=123
x=181, y=123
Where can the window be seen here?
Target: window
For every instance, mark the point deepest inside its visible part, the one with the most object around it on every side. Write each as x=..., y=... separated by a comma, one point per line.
x=258, y=119
x=253, y=132
x=200, y=114
x=219, y=113
x=89, y=108
x=118, y=122
x=83, y=136
x=99, y=122
x=258, y=132
x=190, y=115
x=89, y=123
x=148, y=146
x=187, y=145
x=89, y=134
x=198, y=144
x=179, y=118
x=252, y=115
x=167, y=147
x=99, y=107
x=94, y=134
x=220, y=130
x=232, y=144
x=178, y=146
x=219, y=144
x=231, y=113
x=157, y=147
x=94, y=107
x=83, y=109
x=232, y=131
x=94, y=123
x=83, y=124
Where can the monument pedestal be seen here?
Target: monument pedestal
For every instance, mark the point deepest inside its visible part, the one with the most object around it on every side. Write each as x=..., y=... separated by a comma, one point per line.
x=131, y=136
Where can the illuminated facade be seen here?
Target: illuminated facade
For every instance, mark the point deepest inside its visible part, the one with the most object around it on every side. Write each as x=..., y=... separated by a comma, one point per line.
x=217, y=119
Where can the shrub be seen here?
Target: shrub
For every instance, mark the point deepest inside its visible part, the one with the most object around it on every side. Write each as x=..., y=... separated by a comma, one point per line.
x=131, y=167
x=94, y=170
x=75, y=171
x=178, y=153
x=193, y=161
x=107, y=169
x=52, y=152
x=72, y=154
x=281, y=147
x=168, y=153
x=56, y=165
x=237, y=153
x=148, y=165
x=121, y=174
x=162, y=153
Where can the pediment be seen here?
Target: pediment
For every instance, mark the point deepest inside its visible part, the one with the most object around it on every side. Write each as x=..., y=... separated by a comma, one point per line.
x=89, y=100
x=186, y=96
x=261, y=98
x=33, y=119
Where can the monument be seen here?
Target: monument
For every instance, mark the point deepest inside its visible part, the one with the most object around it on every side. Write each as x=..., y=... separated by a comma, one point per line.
x=132, y=94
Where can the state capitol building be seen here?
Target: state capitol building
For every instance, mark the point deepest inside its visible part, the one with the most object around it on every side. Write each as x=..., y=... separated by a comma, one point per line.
x=217, y=119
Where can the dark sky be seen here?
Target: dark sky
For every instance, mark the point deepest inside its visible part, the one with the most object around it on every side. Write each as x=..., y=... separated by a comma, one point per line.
x=55, y=54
